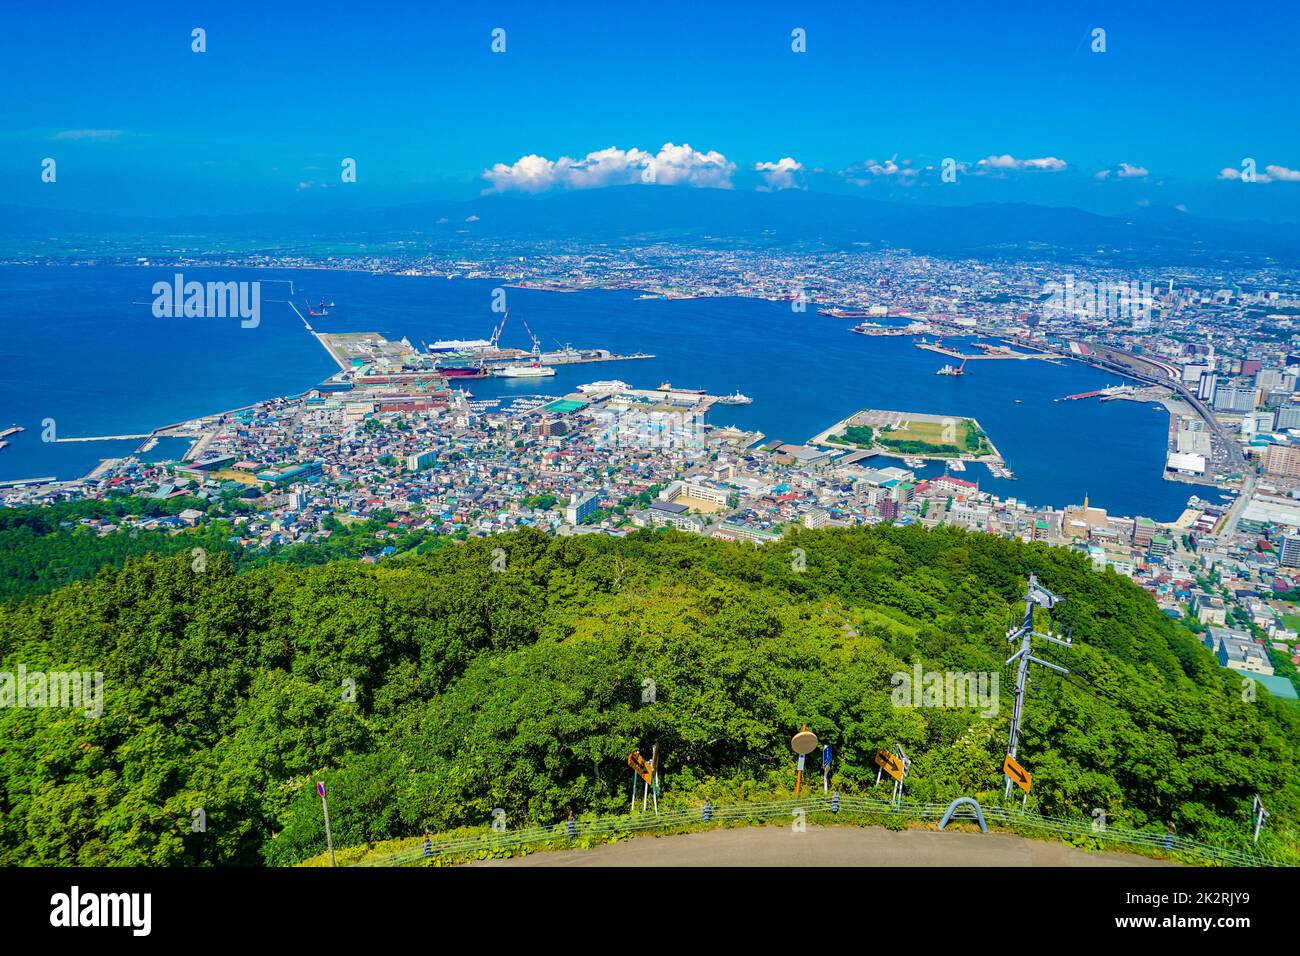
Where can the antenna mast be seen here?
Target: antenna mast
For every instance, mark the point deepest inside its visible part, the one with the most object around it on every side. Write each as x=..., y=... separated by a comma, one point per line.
x=1035, y=596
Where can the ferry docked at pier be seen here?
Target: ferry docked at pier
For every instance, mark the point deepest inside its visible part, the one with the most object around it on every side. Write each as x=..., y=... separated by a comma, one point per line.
x=602, y=388
x=523, y=371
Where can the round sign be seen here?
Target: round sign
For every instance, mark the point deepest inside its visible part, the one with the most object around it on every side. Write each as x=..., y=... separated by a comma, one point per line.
x=804, y=742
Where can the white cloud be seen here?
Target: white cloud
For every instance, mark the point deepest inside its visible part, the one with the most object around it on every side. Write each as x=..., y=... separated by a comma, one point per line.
x=96, y=135
x=1283, y=174
x=859, y=174
x=1123, y=171
x=783, y=174
x=672, y=165
x=1232, y=173
x=1008, y=162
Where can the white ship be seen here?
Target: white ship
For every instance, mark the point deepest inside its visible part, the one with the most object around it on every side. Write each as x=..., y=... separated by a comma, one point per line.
x=600, y=388
x=735, y=398
x=523, y=371
x=461, y=345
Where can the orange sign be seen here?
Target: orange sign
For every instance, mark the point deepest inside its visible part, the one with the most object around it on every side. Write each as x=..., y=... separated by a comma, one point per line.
x=1021, y=777
x=893, y=766
x=640, y=765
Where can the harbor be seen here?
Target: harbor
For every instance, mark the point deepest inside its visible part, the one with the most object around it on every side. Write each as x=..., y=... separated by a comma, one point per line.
x=716, y=343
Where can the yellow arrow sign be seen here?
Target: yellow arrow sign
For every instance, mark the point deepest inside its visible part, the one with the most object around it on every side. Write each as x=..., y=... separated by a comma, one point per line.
x=640, y=765
x=1021, y=777
x=893, y=766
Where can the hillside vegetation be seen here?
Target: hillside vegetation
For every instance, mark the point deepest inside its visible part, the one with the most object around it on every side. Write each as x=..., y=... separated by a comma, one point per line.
x=44, y=547
x=431, y=689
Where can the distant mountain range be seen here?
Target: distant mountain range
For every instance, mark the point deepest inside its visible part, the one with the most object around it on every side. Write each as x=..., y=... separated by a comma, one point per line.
x=789, y=218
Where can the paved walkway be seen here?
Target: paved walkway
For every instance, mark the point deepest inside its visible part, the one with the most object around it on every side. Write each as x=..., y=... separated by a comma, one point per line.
x=829, y=846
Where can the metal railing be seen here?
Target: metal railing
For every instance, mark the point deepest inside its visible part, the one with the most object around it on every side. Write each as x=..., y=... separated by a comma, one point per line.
x=1011, y=818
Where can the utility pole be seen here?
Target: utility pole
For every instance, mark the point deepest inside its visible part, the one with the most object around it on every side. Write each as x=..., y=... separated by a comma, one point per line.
x=1035, y=596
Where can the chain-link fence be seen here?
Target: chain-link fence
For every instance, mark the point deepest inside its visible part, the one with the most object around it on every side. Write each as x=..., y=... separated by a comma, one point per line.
x=1010, y=818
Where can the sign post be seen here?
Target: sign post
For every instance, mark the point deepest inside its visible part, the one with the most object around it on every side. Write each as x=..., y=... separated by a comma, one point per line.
x=649, y=773
x=325, y=805
x=653, y=782
x=1259, y=813
x=826, y=768
x=1018, y=775
x=803, y=743
x=896, y=765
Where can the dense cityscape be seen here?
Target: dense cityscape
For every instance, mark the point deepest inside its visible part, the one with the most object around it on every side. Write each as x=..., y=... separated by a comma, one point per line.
x=396, y=433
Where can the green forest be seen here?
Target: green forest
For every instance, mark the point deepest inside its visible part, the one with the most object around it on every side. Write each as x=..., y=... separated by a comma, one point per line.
x=430, y=688
x=44, y=547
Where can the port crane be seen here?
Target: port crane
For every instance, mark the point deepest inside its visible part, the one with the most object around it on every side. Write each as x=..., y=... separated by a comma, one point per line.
x=537, y=343
x=496, y=333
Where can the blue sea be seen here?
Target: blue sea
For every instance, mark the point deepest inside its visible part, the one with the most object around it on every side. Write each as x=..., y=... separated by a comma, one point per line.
x=81, y=346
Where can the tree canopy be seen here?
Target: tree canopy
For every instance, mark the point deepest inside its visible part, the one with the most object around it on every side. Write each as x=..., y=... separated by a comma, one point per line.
x=430, y=690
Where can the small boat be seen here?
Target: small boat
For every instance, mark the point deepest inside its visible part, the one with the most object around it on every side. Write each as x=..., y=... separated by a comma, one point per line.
x=666, y=387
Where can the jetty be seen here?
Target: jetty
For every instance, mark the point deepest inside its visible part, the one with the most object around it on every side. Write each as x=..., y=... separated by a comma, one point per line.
x=989, y=356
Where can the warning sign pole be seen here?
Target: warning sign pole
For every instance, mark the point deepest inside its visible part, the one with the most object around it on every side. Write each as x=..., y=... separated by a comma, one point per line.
x=803, y=743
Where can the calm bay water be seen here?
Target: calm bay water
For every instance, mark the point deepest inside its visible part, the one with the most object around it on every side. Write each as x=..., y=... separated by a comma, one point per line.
x=76, y=349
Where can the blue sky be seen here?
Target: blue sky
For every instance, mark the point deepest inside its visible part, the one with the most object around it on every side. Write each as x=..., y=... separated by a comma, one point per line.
x=138, y=123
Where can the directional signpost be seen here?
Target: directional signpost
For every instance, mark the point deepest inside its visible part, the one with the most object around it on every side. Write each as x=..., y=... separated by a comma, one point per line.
x=888, y=763
x=895, y=764
x=803, y=743
x=647, y=771
x=826, y=768
x=1018, y=775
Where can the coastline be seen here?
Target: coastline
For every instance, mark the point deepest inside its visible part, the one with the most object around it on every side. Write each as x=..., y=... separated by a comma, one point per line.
x=637, y=293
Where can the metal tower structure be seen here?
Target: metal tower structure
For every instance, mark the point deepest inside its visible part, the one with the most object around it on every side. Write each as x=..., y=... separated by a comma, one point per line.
x=1035, y=596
